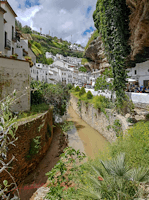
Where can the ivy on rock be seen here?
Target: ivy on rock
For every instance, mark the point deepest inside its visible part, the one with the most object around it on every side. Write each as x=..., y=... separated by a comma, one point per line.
x=111, y=19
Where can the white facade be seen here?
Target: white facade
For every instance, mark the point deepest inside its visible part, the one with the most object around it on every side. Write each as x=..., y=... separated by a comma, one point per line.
x=9, y=36
x=140, y=73
x=2, y=11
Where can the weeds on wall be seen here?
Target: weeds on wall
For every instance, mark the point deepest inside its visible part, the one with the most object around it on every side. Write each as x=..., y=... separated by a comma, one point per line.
x=48, y=130
x=79, y=105
x=34, y=147
x=111, y=19
x=66, y=126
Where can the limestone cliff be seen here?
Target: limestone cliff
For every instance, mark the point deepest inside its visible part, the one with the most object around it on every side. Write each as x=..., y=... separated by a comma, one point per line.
x=95, y=53
x=139, y=29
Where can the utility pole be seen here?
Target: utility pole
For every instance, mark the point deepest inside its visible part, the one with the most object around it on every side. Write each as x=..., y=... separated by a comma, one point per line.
x=40, y=30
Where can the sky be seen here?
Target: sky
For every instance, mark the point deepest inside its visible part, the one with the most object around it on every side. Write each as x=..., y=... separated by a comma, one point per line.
x=70, y=20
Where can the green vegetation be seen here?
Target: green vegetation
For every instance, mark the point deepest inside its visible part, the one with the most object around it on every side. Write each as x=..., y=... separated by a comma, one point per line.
x=99, y=102
x=77, y=89
x=84, y=60
x=34, y=147
x=48, y=130
x=52, y=95
x=89, y=95
x=120, y=172
x=82, y=69
x=62, y=175
x=93, y=37
x=135, y=145
x=111, y=19
x=117, y=127
x=42, y=44
x=66, y=126
x=50, y=44
x=82, y=91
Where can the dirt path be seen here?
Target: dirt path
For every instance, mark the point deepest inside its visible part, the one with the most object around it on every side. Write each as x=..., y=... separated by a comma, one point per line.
x=38, y=178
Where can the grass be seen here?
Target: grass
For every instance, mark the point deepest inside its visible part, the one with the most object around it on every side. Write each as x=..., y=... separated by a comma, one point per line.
x=34, y=112
x=99, y=102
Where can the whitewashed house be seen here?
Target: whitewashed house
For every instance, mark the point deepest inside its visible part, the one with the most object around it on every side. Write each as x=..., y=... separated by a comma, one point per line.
x=50, y=55
x=7, y=29
x=140, y=73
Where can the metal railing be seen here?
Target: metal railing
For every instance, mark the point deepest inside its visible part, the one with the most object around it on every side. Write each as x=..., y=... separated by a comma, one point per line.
x=8, y=44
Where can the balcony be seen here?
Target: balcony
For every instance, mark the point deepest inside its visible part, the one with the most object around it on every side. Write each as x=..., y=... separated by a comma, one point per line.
x=8, y=44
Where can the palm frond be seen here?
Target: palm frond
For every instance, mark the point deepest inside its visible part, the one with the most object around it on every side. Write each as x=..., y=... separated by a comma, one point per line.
x=116, y=166
x=140, y=175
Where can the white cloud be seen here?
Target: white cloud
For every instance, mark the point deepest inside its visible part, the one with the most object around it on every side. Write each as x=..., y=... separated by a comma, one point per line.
x=63, y=18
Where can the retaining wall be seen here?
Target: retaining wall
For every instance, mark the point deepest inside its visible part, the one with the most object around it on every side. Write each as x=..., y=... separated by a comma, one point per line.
x=97, y=119
x=25, y=161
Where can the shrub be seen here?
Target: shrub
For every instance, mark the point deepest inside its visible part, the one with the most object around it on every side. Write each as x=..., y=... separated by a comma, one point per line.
x=82, y=91
x=135, y=144
x=89, y=95
x=69, y=86
x=111, y=179
x=77, y=89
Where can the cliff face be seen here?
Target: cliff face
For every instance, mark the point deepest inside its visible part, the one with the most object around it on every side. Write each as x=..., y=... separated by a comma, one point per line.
x=139, y=29
x=95, y=53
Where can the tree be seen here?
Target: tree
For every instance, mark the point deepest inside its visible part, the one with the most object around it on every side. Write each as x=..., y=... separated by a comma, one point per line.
x=82, y=69
x=26, y=29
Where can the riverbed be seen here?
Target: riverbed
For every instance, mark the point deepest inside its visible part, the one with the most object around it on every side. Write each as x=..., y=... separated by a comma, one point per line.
x=84, y=137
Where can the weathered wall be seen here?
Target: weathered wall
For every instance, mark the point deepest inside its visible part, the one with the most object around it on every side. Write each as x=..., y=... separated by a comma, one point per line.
x=97, y=119
x=27, y=131
x=15, y=75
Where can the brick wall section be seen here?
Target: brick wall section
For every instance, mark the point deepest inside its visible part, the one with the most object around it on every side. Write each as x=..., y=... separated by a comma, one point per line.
x=26, y=131
x=98, y=120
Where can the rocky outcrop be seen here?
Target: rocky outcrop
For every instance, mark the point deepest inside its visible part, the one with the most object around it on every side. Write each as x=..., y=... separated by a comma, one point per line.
x=95, y=53
x=139, y=28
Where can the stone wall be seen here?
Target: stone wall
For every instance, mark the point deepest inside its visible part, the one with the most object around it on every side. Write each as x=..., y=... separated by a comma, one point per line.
x=97, y=119
x=15, y=75
x=26, y=161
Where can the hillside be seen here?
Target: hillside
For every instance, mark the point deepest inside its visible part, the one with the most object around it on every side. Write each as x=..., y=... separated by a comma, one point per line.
x=45, y=43
x=42, y=44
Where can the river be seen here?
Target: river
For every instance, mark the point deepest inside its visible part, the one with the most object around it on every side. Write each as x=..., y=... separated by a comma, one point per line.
x=84, y=137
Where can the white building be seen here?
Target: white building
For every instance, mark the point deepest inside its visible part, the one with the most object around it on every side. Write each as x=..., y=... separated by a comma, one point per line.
x=140, y=73
x=7, y=29
x=50, y=55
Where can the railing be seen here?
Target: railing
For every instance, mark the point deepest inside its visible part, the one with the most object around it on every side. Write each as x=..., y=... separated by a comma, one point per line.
x=8, y=44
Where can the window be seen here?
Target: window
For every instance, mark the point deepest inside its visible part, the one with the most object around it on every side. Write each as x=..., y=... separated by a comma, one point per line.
x=12, y=50
x=12, y=32
x=5, y=38
x=135, y=71
x=148, y=70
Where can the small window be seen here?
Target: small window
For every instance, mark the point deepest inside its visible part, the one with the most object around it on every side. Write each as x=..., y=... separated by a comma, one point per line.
x=135, y=71
x=148, y=70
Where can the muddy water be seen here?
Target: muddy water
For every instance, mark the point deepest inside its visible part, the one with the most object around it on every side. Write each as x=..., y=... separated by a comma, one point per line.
x=84, y=137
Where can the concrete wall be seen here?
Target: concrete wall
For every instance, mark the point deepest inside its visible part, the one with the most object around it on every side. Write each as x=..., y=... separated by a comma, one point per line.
x=28, y=130
x=1, y=32
x=98, y=120
x=15, y=75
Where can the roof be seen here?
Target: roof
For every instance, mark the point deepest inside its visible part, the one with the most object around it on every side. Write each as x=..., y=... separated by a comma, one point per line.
x=50, y=72
x=2, y=10
x=6, y=2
